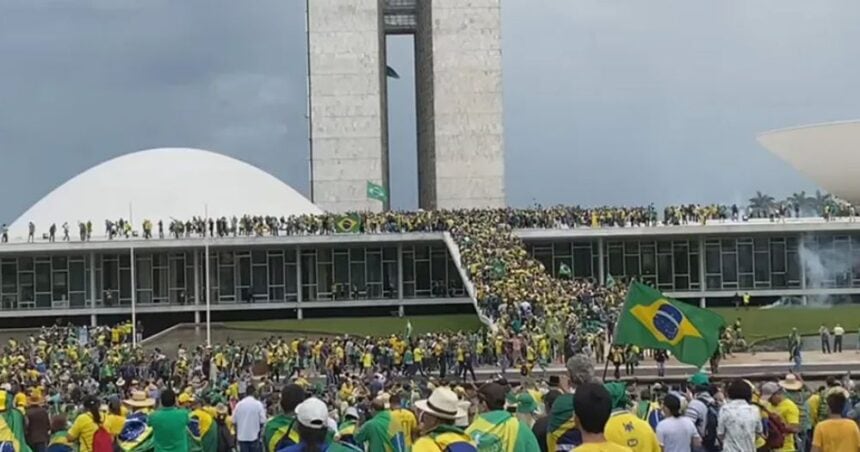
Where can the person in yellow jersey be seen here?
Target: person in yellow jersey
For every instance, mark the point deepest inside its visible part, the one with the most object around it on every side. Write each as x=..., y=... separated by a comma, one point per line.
x=418, y=354
x=592, y=406
x=836, y=434
x=86, y=425
x=367, y=362
x=776, y=401
x=623, y=427
x=438, y=432
x=404, y=418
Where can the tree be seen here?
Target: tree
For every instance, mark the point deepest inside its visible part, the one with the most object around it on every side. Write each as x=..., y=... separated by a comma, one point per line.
x=820, y=200
x=761, y=204
x=801, y=200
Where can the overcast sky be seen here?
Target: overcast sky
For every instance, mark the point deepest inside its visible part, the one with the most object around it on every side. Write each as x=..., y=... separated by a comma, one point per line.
x=618, y=102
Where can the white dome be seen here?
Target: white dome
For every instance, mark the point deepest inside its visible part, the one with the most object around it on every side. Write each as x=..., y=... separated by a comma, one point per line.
x=828, y=153
x=160, y=184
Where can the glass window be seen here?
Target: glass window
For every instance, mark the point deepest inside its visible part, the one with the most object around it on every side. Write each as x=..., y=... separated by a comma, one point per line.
x=260, y=279
x=582, y=263
x=694, y=269
x=325, y=254
x=357, y=280
x=682, y=267
x=728, y=244
x=226, y=286
x=356, y=254
x=438, y=266
x=745, y=258
x=682, y=283
x=276, y=270
x=422, y=278
x=777, y=257
x=60, y=286
x=143, y=274
x=793, y=266
x=712, y=259
x=292, y=284
x=762, y=267
x=9, y=275
x=648, y=263
x=244, y=271
x=258, y=256
x=374, y=267
x=408, y=269
x=631, y=247
x=77, y=279
x=745, y=281
x=341, y=268
x=616, y=262
x=664, y=246
x=309, y=265
x=664, y=269
x=125, y=284
x=59, y=262
x=328, y=283
x=730, y=268
x=111, y=276
x=26, y=263
x=561, y=248
x=43, y=277
x=631, y=266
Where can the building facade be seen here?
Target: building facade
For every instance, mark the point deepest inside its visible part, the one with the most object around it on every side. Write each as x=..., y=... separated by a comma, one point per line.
x=458, y=73
x=707, y=265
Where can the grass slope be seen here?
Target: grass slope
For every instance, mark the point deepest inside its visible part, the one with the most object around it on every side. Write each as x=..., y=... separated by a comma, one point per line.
x=762, y=323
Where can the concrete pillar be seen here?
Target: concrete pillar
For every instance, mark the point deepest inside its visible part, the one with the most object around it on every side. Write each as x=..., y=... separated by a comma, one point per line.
x=400, y=273
x=601, y=266
x=401, y=311
x=299, y=275
x=800, y=244
x=299, y=314
x=93, y=320
x=196, y=277
x=702, y=284
x=93, y=282
x=133, y=300
x=196, y=317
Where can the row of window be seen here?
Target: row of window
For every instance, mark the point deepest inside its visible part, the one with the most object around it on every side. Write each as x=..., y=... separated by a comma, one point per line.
x=236, y=276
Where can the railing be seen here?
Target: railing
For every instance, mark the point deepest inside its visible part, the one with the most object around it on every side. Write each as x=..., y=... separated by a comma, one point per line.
x=454, y=249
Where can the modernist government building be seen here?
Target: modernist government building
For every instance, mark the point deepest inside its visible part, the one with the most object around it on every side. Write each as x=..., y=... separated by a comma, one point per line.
x=460, y=164
x=320, y=275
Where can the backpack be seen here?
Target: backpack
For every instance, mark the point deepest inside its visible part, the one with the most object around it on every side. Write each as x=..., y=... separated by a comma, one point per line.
x=775, y=430
x=226, y=442
x=710, y=441
x=102, y=441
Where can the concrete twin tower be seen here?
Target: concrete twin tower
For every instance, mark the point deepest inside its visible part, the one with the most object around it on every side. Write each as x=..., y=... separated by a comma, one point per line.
x=458, y=72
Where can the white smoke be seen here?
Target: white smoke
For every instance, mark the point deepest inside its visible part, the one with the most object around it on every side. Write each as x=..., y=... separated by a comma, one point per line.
x=825, y=268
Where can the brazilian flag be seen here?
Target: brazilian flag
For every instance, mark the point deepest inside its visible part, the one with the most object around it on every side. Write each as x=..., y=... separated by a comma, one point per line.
x=348, y=223
x=649, y=319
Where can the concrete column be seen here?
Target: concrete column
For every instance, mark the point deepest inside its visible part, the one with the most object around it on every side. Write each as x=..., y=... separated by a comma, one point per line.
x=93, y=282
x=601, y=266
x=93, y=320
x=299, y=313
x=401, y=311
x=400, y=273
x=133, y=300
x=702, y=285
x=196, y=277
x=800, y=244
x=196, y=317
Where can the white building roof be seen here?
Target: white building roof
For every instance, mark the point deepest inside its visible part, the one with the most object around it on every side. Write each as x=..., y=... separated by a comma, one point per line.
x=160, y=184
x=828, y=153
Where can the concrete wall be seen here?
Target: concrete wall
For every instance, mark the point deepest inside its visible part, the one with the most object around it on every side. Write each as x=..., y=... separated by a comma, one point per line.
x=347, y=102
x=459, y=84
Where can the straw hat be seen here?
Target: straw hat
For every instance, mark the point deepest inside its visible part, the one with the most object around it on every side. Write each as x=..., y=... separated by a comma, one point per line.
x=443, y=403
x=139, y=399
x=791, y=383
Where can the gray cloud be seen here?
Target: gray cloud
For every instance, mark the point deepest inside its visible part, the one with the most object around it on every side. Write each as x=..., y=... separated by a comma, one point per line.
x=610, y=102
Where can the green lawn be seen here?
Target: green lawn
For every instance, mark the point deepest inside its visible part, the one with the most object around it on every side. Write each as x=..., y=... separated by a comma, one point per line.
x=762, y=323
x=365, y=326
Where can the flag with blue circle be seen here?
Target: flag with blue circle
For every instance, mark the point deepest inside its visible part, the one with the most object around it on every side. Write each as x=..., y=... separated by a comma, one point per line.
x=649, y=319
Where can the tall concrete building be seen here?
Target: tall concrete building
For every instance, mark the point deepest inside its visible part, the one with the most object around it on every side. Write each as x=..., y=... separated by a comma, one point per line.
x=458, y=68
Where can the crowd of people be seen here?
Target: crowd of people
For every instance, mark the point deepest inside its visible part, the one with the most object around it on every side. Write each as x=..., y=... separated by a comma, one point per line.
x=89, y=389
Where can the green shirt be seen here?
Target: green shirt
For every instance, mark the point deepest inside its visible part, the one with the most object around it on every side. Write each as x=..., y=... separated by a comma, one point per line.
x=169, y=430
x=376, y=433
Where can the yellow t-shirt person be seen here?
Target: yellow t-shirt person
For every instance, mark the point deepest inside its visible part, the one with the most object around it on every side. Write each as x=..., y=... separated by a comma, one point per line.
x=407, y=422
x=790, y=414
x=625, y=429
x=83, y=430
x=837, y=435
x=605, y=446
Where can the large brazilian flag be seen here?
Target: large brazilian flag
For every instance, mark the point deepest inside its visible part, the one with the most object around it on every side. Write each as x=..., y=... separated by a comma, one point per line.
x=649, y=319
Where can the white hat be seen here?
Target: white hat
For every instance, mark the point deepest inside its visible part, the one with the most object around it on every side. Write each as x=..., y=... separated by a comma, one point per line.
x=312, y=413
x=352, y=412
x=443, y=403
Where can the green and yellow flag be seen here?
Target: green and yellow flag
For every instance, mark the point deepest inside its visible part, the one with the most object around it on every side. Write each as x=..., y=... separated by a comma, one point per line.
x=652, y=320
x=348, y=223
x=376, y=191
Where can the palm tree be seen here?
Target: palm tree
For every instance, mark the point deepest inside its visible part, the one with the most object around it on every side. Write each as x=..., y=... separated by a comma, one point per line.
x=800, y=201
x=818, y=202
x=761, y=204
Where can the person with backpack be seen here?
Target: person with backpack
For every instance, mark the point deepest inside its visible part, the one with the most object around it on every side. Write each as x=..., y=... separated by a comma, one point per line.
x=495, y=429
x=87, y=429
x=438, y=432
x=774, y=399
x=704, y=412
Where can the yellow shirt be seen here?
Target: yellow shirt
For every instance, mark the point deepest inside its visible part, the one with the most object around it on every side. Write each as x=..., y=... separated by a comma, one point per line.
x=83, y=430
x=790, y=414
x=601, y=447
x=625, y=429
x=114, y=424
x=837, y=435
x=367, y=360
x=407, y=422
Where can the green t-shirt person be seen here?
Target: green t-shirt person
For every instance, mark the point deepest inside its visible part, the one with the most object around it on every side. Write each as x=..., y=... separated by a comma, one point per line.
x=169, y=426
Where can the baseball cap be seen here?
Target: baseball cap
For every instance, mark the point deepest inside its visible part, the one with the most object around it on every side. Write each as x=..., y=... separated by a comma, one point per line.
x=769, y=389
x=312, y=413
